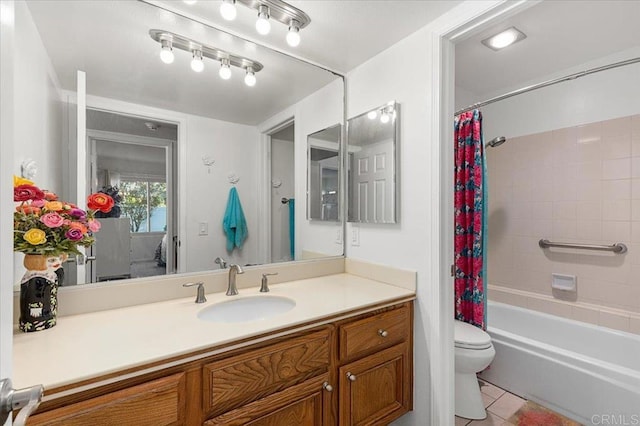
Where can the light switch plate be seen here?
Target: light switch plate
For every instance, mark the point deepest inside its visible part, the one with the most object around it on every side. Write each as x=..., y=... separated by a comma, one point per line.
x=203, y=228
x=339, y=236
x=355, y=236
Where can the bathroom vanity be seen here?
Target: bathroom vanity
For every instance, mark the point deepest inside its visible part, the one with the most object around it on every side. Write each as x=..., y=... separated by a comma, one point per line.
x=342, y=356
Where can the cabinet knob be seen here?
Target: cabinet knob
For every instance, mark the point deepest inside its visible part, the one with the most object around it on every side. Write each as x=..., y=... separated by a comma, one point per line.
x=326, y=386
x=351, y=377
x=383, y=333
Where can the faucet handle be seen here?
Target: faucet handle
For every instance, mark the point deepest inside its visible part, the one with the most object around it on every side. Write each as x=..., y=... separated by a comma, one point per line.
x=200, y=295
x=264, y=288
x=199, y=283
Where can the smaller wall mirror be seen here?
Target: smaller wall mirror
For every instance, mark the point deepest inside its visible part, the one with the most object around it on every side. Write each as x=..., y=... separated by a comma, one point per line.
x=323, y=174
x=373, y=147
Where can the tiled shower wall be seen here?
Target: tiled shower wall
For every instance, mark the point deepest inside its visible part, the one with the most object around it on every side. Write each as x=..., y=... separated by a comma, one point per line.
x=576, y=184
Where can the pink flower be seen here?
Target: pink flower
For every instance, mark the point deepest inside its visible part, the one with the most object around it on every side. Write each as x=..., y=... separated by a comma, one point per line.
x=78, y=213
x=52, y=220
x=74, y=234
x=38, y=203
x=94, y=225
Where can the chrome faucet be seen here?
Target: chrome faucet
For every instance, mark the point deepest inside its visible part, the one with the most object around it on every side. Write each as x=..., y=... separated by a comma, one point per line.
x=220, y=261
x=232, y=290
x=200, y=296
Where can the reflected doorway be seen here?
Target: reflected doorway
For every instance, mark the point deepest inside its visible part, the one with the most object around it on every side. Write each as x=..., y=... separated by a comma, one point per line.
x=133, y=160
x=283, y=193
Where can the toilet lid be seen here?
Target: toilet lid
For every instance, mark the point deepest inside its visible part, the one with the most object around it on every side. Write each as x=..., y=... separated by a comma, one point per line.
x=470, y=337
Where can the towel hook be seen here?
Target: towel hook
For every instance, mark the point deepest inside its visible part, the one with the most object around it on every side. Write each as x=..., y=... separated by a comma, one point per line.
x=233, y=178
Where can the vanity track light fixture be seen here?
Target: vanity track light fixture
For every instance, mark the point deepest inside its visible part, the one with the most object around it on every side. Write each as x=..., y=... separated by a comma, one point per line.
x=169, y=41
x=268, y=10
x=504, y=38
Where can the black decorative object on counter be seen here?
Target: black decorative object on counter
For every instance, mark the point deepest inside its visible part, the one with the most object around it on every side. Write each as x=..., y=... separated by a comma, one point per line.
x=39, y=292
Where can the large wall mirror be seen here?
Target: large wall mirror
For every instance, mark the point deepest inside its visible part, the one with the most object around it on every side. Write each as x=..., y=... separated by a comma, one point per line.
x=323, y=177
x=373, y=148
x=172, y=141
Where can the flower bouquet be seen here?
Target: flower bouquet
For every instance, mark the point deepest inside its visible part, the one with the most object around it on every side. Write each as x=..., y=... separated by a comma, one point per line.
x=47, y=230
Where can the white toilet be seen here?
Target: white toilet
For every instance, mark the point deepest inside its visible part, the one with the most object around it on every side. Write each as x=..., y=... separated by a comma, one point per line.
x=474, y=352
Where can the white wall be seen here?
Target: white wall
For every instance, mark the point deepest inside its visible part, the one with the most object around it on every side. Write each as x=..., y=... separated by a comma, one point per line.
x=316, y=112
x=37, y=110
x=234, y=148
x=597, y=97
x=38, y=106
x=401, y=73
x=282, y=169
x=407, y=72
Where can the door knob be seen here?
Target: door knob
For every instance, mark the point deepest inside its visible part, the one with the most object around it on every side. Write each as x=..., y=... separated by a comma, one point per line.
x=326, y=386
x=351, y=377
x=26, y=400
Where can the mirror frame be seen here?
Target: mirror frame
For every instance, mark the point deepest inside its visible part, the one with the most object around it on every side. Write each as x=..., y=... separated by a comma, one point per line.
x=395, y=205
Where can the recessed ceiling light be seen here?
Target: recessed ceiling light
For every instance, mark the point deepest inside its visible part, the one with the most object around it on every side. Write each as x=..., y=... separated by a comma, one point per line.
x=504, y=38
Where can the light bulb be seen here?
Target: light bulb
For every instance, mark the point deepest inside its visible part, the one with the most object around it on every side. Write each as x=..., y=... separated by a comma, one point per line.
x=384, y=118
x=293, y=36
x=228, y=9
x=225, y=70
x=250, y=78
x=196, y=63
x=166, y=53
x=190, y=2
x=372, y=115
x=263, y=26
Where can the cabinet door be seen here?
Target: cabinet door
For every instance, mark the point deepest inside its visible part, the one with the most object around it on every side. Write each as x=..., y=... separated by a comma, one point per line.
x=376, y=389
x=304, y=405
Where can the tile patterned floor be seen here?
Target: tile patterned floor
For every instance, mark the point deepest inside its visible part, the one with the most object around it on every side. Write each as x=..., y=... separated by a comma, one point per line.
x=500, y=405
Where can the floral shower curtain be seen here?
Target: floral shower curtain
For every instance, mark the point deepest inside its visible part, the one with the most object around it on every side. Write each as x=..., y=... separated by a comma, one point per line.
x=470, y=220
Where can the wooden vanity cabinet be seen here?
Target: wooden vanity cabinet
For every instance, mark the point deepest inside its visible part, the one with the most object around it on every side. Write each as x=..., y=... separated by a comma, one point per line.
x=355, y=371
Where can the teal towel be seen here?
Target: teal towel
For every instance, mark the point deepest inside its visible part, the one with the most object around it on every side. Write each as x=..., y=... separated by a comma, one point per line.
x=234, y=223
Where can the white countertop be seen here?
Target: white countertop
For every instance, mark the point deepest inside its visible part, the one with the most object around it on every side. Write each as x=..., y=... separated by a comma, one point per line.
x=90, y=345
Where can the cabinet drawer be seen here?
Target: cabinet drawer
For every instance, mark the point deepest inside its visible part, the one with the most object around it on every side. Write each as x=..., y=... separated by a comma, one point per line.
x=301, y=405
x=373, y=333
x=240, y=379
x=157, y=403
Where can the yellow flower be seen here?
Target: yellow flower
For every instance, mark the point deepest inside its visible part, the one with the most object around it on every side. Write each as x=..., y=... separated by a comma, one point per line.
x=17, y=181
x=35, y=236
x=54, y=206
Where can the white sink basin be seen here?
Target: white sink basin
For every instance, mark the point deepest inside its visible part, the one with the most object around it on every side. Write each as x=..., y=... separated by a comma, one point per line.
x=253, y=308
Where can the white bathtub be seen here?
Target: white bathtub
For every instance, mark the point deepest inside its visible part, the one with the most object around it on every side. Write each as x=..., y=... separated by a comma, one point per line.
x=588, y=373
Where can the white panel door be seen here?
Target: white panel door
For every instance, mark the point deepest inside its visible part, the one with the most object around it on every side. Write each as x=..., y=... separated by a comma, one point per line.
x=374, y=183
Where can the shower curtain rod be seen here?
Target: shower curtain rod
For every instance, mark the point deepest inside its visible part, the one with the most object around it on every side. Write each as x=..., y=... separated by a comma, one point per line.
x=548, y=83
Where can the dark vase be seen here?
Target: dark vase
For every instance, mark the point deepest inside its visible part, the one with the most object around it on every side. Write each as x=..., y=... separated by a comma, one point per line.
x=39, y=292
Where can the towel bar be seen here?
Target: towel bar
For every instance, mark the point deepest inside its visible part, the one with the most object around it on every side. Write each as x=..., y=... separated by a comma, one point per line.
x=616, y=248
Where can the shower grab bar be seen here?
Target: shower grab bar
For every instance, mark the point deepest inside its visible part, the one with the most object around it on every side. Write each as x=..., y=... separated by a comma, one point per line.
x=616, y=248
